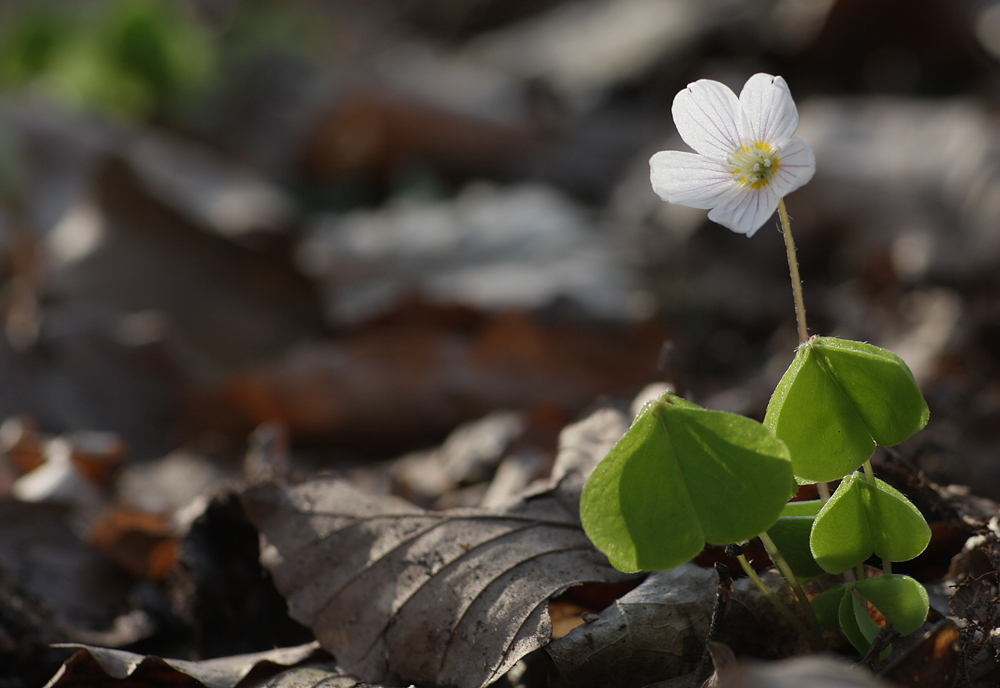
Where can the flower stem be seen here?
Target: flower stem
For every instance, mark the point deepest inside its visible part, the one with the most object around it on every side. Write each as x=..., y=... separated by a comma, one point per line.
x=772, y=598
x=793, y=268
x=779, y=560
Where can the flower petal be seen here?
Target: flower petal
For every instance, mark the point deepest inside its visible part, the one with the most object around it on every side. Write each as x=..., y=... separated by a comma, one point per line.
x=706, y=114
x=796, y=165
x=689, y=179
x=769, y=112
x=744, y=209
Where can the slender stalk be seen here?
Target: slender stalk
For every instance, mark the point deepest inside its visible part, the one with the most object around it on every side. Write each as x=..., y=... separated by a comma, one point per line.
x=869, y=473
x=793, y=582
x=772, y=598
x=861, y=573
x=793, y=268
x=886, y=566
x=824, y=491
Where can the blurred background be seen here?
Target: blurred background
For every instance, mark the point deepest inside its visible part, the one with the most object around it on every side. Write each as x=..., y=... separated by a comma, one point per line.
x=240, y=234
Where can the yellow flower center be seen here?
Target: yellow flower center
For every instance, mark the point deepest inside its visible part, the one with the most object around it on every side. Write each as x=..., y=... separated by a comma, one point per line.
x=754, y=164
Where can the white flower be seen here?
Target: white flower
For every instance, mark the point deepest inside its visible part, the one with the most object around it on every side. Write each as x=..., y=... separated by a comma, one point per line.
x=747, y=156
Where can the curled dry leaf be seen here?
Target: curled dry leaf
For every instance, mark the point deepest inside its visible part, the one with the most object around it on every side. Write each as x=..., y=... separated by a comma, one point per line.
x=658, y=630
x=93, y=665
x=646, y=636
x=453, y=598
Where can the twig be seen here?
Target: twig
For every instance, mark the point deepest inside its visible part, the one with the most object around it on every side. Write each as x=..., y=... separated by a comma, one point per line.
x=722, y=594
x=884, y=638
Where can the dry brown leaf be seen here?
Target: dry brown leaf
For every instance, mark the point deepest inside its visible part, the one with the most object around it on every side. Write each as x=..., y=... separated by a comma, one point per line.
x=142, y=543
x=812, y=671
x=39, y=550
x=657, y=631
x=452, y=598
x=94, y=666
x=430, y=369
x=653, y=633
x=930, y=660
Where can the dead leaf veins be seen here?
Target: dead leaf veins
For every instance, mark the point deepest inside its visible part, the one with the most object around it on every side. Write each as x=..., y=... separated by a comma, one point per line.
x=453, y=598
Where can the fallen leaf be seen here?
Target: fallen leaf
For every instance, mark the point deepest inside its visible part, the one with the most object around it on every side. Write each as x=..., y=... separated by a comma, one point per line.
x=143, y=544
x=583, y=50
x=20, y=440
x=644, y=636
x=452, y=598
x=932, y=661
x=40, y=551
x=430, y=369
x=28, y=628
x=814, y=671
x=93, y=666
x=371, y=131
x=322, y=675
x=96, y=454
x=213, y=192
x=492, y=249
x=658, y=631
x=470, y=454
x=220, y=590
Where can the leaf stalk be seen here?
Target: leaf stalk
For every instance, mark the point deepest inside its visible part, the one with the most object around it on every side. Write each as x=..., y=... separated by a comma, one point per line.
x=772, y=598
x=779, y=560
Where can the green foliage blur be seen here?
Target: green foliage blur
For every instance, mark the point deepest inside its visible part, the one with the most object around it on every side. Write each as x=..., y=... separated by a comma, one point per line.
x=137, y=59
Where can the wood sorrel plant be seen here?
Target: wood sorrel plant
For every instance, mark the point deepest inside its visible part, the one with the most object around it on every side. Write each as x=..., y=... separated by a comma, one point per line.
x=683, y=476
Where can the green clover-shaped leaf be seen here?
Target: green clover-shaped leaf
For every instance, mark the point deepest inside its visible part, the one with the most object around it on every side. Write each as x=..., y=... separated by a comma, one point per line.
x=837, y=401
x=826, y=606
x=862, y=519
x=791, y=534
x=902, y=600
x=857, y=624
x=682, y=476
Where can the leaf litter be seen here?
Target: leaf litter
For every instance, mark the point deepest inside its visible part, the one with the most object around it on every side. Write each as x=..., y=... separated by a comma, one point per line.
x=138, y=336
x=94, y=665
x=453, y=598
x=658, y=629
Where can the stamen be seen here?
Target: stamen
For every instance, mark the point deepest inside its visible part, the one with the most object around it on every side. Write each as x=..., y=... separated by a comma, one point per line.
x=754, y=165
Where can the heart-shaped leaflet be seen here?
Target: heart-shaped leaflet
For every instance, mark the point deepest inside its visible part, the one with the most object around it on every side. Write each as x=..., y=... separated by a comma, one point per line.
x=837, y=401
x=681, y=476
x=862, y=519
